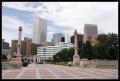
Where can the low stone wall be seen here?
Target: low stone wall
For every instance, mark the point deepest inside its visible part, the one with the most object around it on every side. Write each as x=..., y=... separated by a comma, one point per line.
x=110, y=64
x=5, y=64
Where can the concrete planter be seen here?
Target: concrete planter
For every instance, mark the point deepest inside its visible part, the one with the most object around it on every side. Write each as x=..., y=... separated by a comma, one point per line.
x=85, y=62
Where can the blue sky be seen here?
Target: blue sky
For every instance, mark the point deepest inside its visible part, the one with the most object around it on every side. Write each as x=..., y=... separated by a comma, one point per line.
x=27, y=17
x=62, y=17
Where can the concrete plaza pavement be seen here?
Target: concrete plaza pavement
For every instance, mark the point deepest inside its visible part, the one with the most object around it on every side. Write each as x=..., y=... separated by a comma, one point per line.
x=49, y=71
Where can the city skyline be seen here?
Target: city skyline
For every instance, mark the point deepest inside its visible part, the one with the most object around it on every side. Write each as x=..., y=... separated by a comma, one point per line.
x=62, y=17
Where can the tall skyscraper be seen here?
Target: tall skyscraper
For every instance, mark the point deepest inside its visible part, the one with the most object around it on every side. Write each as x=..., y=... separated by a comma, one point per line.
x=57, y=38
x=39, y=31
x=89, y=30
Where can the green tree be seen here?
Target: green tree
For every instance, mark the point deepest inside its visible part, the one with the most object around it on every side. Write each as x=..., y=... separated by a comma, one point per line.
x=95, y=53
x=64, y=55
x=112, y=39
x=61, y=56
x=56, y=57
x=3, y=56
x=87, y=50
x=101, y=49
x=107, y=48
x=101, y=38
x=110, y=52
x=80, y=52
x=70, y=54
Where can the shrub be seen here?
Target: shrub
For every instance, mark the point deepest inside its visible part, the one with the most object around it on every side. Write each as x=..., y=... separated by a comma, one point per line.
x=4, y=56
x=25, y=63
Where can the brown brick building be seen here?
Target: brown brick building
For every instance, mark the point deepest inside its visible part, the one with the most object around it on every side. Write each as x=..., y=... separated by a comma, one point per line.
x=28, y=44
x=92, y=40
x=34, y=49
x=79, y=40
x=27, y=49
x=23, y=48
x=89, y=30
x=13, y=46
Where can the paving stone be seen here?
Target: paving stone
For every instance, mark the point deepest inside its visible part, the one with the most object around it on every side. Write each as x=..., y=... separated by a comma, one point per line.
x=48, y=71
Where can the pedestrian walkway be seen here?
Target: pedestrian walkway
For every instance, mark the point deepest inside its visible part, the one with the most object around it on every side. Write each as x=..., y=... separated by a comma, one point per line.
x=49, y=71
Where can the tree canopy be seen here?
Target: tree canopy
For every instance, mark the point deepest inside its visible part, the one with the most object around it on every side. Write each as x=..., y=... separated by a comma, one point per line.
x=106, y=48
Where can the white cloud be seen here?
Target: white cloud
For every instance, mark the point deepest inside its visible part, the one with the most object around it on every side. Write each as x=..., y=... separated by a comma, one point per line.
x=9, y=36
x=73, y=14
x=32, y=6
x=12, y=24
x=51, y=32
x=24, y=6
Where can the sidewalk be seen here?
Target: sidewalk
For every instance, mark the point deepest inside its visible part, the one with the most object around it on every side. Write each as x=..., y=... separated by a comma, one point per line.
x=48, y=71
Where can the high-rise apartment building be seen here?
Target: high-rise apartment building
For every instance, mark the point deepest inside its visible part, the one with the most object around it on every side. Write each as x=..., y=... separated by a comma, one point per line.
x=57, y=38
x=39, y=31
x=89, y=30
